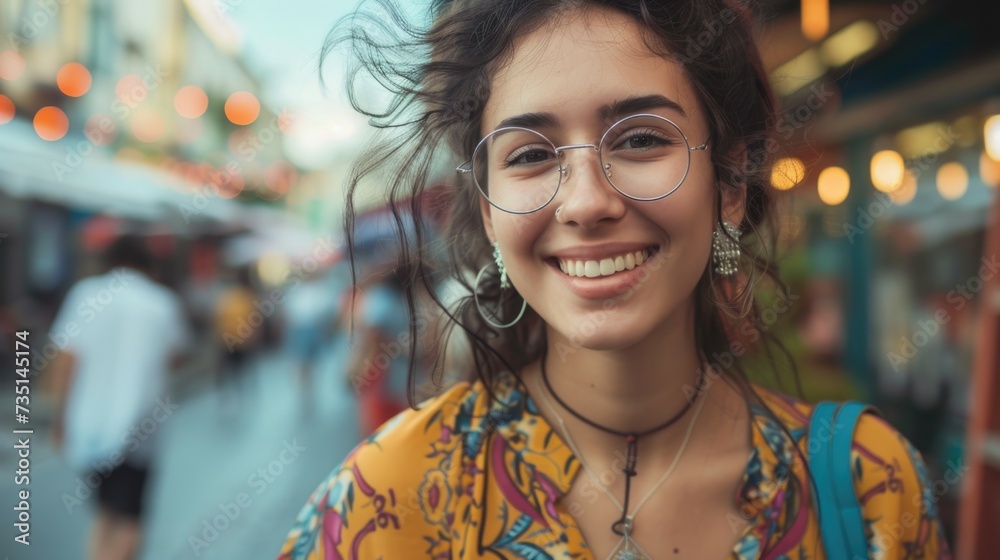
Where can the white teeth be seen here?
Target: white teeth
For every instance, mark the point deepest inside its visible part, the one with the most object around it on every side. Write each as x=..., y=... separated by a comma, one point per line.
x=607, y=267
x=603, y=267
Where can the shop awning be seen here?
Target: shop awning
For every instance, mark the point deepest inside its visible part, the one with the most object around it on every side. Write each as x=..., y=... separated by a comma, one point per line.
x=73, y=173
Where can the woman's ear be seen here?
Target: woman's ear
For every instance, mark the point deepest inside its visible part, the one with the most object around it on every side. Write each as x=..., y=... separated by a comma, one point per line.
x=733, y=201
x=487, y=216
x=732, y=195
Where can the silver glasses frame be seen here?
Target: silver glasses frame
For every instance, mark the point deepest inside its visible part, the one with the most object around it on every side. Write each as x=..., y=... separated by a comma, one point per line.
x=467, y=167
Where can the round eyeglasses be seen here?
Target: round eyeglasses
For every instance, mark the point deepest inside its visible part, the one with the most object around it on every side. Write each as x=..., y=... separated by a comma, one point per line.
x=518, y=170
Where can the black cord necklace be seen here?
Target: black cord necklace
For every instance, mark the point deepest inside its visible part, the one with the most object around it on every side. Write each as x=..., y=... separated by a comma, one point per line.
x=620, y=527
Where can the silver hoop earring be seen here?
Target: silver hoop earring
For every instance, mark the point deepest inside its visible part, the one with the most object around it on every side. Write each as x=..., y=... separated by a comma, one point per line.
x=725, y=251
x=504, y=285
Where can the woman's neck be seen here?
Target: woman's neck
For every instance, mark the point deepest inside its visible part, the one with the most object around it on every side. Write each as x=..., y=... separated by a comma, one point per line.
x=628, y=390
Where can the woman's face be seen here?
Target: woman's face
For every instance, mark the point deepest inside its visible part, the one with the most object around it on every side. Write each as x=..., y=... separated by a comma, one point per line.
x=570, y=73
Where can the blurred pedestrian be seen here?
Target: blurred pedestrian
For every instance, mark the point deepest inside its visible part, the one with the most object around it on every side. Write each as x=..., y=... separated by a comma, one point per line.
x=377, y=367
x=237, y=332
x=119, y=333
x=309, y=309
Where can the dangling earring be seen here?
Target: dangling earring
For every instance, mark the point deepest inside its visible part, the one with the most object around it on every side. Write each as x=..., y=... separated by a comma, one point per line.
x=504, y=283
x=725, y=251
x=504, y=286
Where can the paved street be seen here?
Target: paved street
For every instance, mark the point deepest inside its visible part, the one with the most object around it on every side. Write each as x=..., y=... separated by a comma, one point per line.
x=254, y=465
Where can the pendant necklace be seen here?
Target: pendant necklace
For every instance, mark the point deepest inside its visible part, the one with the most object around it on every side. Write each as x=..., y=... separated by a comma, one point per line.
x=627, y=548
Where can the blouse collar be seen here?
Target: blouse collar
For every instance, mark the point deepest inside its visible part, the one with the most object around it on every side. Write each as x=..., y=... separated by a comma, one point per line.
x=516, y=419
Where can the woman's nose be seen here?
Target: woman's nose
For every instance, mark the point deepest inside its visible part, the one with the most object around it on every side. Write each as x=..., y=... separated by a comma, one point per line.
x=586, y=197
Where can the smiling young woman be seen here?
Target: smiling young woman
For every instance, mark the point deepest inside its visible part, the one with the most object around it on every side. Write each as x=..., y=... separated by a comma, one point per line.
x=610, y=222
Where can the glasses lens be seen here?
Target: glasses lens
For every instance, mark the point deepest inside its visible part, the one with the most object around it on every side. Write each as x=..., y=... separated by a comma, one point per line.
x=516, y=169
x=645, y=157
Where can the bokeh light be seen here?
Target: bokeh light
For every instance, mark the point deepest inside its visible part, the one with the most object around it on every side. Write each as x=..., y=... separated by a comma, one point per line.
x=148, y=126
x=787, y=172
x=131, y=90
x=815, y=18
x=232, y=185
x=7, y=110
x=51, y=123
x=225, y=183
x=833, y=185
x=991, y=135
x=73, y=79
x=989, y=170
x=952, y=180
x=242, y=108
x=887, y=169
x=906, y=191
x=191, y=102
x=11, y=65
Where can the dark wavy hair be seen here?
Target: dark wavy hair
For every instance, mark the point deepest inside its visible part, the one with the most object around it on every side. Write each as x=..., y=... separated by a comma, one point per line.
x=439, y=77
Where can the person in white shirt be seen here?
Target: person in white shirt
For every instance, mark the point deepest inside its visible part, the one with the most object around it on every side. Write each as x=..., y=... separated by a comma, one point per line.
x=120, y=334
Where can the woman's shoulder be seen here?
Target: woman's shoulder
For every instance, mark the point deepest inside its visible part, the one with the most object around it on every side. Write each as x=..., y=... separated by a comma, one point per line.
x=891, y=482
x=377, y=491
x=420, y=438
x=796, y=415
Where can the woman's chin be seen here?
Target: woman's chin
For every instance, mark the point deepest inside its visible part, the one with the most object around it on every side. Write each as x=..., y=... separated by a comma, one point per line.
x=607, y=335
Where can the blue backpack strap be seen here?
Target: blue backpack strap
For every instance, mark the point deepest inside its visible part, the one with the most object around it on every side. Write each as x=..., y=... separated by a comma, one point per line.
x=843, y=479
x=841, y=525
x=821, y=427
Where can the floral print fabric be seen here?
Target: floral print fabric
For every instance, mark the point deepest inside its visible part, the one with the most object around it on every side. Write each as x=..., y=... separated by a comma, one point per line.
x=468, y=478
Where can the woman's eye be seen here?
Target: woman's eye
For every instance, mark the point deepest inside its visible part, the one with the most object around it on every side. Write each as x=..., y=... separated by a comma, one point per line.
x=527, y=156
x=642, y=141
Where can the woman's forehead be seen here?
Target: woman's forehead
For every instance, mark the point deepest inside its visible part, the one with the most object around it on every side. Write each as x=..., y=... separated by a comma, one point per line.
x=581, y=65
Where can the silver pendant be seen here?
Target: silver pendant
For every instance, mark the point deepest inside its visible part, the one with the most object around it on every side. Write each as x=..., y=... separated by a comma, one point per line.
x=627, y=549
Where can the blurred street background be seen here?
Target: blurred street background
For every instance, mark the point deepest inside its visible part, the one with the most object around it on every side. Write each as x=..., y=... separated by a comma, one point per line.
x=199, y=127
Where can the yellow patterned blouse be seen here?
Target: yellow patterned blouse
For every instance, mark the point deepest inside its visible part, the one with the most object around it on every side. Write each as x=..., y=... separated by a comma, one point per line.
x=456, y=480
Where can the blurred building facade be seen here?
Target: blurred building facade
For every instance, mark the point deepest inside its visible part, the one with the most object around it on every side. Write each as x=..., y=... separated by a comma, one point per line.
x=123, y=116
x=890, y=164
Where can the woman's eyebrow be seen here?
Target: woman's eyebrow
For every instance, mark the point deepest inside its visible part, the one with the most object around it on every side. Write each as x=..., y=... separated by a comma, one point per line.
x=637, y=104
x=615, y=110
x=531, y=120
